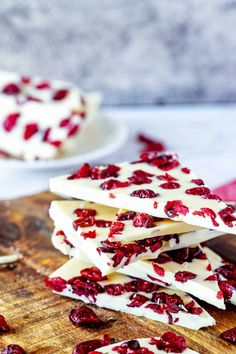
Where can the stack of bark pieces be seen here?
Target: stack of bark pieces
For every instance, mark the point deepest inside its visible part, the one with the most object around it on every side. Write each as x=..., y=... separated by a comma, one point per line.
x=134, y=241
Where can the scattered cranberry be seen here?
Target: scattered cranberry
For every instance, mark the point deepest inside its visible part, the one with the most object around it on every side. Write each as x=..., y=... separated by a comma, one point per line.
x=137, y=300
x=144, y=193
x=227, y=287
x=158, y=270
x=209, y=212
x=185, y=170
x=150, y=144
x=175, y=207
x=193, y=309
x=198, y=182
x=44, y=85
x=109, y=171
x=184, y=276
x=170, y=342
x=64, y=122
x=85, y=213
x=10, y=121
x=103, y=223
x=85, y=317
x=88, y=288
x=11, y=89
x=4, y=328
x=128, y=215
x=140, y=177
x=73, y=130
x=170, y=185
x=114, y=289
x=226, y=216
x=30, y=130
x=60, y=95
x=116, y=228
x=57, y=284
x=164, y=162
x=201, y=191
x=89, y=234
x=186, y=254
x=83, y=172
x=92, y=273
x=113, y=184
x=143, y=220
x=229, y=335
x=166, y=177
x=91, y=345
x=13, y=349
x=83, y=222
x=25, y=79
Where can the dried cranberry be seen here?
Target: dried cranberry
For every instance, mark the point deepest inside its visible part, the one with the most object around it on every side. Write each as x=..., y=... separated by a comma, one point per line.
x=144, y=193
x=44, y=85
x=226, y=216
x=11, y=89
x=13, y=349
x=57, y=284
x=64, y=122
x=30, y=130
x=201, y=191
x=60, y=95
x=114, y=289
x=163, y=258
x=227, y=287
x=150, y=144
x=132, y=346
x=85, y=213
x=175, y=207
x=116, y=228
x=198, y=181
x=229, y=335
x=228, y=271
x=166, y=177
x=209, y=212
x=73, y=130
x=4, y=328
x=154, y=243
x=186, y=254
x=10, y=121
x=145, y=286
x=128, y=215
x=140, y=177
x=91, y=345
x=143, y=220
x=158, y=270
x=185, y=170
x=109, y=171
x=88, y=288
x=25, y=79
x=85, y=317
x=113, y=184
x=170, y=342
x=170, y=185
x=165, y=162
x=83, y=222
x=184, y=276
x=92, y=273
x=137, y=300
x=193, y=309
x=103, y=223
x=89, y=234
x=83, y=172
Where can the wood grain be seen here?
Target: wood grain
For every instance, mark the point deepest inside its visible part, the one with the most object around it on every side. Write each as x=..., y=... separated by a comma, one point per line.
x=39, y=319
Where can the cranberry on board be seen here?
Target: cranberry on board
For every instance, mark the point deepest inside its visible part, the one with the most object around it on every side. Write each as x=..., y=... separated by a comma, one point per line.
x=13, y=349
x=85, y=317
x=4, y=328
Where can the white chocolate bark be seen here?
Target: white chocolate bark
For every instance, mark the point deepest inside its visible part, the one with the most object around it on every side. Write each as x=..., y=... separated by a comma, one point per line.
x=59, y=122
x=143, y=343
x=122, y=302
x=178, y=195
x=225, y=282
x=167, y=269
x=110, y=260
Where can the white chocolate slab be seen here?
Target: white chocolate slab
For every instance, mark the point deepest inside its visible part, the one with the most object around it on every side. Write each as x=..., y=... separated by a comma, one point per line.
x=144, y=343
x=120, y=303
x=200, y=287
x=159, y=205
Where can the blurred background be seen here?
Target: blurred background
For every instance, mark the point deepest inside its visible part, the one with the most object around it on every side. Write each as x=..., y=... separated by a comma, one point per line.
x=134, y=52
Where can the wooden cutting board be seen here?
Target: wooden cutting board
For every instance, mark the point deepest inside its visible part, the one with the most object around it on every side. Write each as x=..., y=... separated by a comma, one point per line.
x=39, y=319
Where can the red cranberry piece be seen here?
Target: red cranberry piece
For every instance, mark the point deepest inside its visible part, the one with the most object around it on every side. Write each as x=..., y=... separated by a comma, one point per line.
x=10, y=121
x=170, y=185
x=92, y=273
x=56, y=143
x=184, y=276
x=144, y=193
x=103, y=223
x=140, y=177
x=164, y=162
x=227, y=287
x=150, y=144
x=185, y=170
x=88, y=288
x=163, y=258
x=73, y=130
x=64, y=122
x=11, y=89
x=30, y=130
x=145, y=286
x=109, y=171
x=83, y=222
x=137, y=300
x=46, y=135
x=128, y=215
x=159, y=270
x=175, y=207
x=85, y=317
x=25, y=79
x=228, y=271
x=155, y=205
x=13, y=349
x=192, y=309
x=89, y=234
x=44, y=85
x=60, y=95
x=143, y=220
x=91, y=345
x=113, y=183
x=83, y=172
x=84, y=213
x=209, y=212
x=226, y=216
x=198, y=182
x=229, y=335
x=166, y=177
x=201, y=191
x=132, y=346
x=57, y=284
x=116, y=228
x=4, y=328
x=170, y=342
x=114, y=289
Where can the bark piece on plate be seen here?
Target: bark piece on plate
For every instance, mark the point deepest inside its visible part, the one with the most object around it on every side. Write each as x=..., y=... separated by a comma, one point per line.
x=226, y=273
x=41, y=119
x=82, y=281
x=156, y=184
x=186, y=269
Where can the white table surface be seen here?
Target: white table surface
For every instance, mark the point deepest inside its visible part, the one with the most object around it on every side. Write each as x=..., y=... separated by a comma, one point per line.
x=203, y=135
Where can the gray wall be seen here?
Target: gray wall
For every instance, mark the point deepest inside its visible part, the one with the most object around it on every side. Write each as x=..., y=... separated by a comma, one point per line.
x=134, y=51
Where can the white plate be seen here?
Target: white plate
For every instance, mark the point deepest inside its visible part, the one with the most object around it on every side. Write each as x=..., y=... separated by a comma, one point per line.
x=104, y=138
